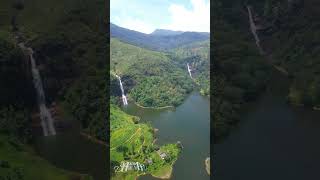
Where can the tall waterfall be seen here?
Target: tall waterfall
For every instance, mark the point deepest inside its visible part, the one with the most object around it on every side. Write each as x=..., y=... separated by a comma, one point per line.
x=124, y=98
x=189, y=70
x=254, y=30
x=45, y=115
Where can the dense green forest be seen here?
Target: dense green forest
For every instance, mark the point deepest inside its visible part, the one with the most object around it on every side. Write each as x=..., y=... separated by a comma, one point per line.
x=134, y=142
x=294, y=44
x=149, y=78
x=198, y=56
x=69, y=41
x=239, y=72
x=70, y=49
x=289, y=33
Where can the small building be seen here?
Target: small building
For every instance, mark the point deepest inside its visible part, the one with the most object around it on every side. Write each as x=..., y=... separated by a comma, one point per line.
x=162, y=155
x=149, y=161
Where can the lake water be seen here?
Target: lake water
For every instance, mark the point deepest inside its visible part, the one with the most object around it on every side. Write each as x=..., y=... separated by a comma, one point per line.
x=71, y=151
x=273, y=141
x=189, y=123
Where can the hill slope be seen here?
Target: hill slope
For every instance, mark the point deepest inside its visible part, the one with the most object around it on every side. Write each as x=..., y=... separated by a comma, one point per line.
x=294, y=44
x=150, y=78
x=240, y=73
x=197, y=55
x=155, y=42
x=165, y=32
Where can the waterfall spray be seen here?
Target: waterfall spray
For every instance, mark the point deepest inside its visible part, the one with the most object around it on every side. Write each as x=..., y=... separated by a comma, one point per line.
x=124, y=98
x=189, y=70
x=45, y=115
x=254, y=30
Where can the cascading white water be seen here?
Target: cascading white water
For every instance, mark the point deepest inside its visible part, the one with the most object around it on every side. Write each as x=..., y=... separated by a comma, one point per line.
x=124, y=98
x=189, y=70
x=254, y=30
x=45, y=115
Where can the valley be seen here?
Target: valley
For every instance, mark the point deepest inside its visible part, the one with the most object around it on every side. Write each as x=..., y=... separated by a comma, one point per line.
x=52, y=63
x=272, y=135
x=159, y=83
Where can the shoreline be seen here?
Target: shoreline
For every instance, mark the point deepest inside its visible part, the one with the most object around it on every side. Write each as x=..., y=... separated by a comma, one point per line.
x=167, y=175
x=300, y=105
x=93, y=139
x=163, y=107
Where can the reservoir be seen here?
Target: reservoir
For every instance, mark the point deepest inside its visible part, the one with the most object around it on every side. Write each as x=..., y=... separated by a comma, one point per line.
x=272, y=141
x=73, y=152
x=188, y=123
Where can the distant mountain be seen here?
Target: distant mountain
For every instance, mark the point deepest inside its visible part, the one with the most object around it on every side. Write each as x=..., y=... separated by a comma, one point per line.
x=156, y=42
x=165, y=32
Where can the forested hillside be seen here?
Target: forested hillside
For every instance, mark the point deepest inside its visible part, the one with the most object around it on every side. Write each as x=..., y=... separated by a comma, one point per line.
x=294, y=44
x=69, y=43
x=197, y=55
x=150, y=78
x=156, y=42
x=239, y=72
x=289, y=33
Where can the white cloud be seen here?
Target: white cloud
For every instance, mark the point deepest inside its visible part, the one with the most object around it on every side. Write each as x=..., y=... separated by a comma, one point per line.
x=134, y=24
x=196, y=19
x=135, y=16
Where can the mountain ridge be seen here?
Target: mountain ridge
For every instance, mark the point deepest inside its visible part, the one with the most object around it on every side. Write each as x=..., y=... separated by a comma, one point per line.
x=156, y=42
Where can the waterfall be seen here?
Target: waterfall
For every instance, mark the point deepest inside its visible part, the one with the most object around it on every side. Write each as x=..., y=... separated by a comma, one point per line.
x=189, y=70
x=124, y=98
x=45, y=115
x=254, y=30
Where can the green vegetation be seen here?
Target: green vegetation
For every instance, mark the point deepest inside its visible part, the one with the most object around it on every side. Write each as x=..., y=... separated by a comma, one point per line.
x=294, y=46
x=19, y=162
x=69, y=40
x=132, y=141
x=150, y=78
x=239, y=71
x=156, y=41
x=198, y=57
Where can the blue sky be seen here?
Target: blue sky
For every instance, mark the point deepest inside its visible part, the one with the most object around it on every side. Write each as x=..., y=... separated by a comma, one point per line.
x=148, y=15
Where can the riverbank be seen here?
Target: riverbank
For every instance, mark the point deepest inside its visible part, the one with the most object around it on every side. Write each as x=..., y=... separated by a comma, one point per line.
x=165, y=173
x=144, y=107
x=93, y=139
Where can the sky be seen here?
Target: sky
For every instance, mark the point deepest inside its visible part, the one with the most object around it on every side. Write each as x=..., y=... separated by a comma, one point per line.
x=147, y=15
